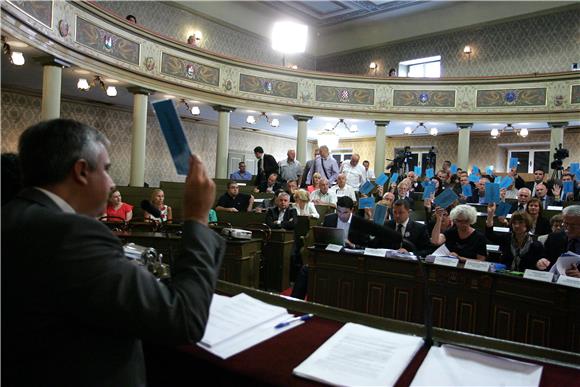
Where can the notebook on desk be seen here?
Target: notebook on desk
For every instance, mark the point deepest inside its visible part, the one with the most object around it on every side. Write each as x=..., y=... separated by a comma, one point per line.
x=327, y=235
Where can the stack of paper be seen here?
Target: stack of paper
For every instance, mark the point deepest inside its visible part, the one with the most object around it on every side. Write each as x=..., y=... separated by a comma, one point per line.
x=454, y=366
x=360, y=356
x=565, y=262
x=240, y=322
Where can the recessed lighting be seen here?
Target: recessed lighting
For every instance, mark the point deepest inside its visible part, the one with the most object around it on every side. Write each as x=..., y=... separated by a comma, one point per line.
x=16, y=43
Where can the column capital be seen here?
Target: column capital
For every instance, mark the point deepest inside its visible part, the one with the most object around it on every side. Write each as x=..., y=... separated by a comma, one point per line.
x=140, y=90
x=382, y=123
x=298, y=117
x=464, y=125
x=222, y=108
x=559, y=124
x=49, y=60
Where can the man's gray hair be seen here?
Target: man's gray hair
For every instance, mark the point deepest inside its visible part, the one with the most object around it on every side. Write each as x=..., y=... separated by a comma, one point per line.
x=49, y=149
x=524, y=190
x=571, y=210
x=464, y=211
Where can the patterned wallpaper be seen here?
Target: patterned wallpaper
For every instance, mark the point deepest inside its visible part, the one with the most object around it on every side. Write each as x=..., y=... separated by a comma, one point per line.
x=20, y=111
x=177, y=23
x=547, y=43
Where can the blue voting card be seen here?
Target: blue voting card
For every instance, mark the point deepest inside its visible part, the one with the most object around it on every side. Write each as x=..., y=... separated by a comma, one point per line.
x=574, y=169
x=473, y=178
x=173, y=132
x=498, y=180
x=429, y=173
x=502, y=209
x=428, y=189
x=505, y=182
x=491, y=193
x=489, y=170
x=418, y=170
x=514, y=162
x=366, y=188
x=567, y=187
x=379, y=215
x=394, y=178
x=466, y=190
x=381, y=179
x=453, y=169
x=445, y=198
x=474, y=170
x=366, y=202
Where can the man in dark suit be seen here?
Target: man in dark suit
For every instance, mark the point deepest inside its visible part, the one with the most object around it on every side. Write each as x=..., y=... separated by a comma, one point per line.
x=74, y=308
x=270, y=185
x=542, y=194
x=562, y=242
x=539, y=175
x=267, y=165
x=307, y=168
x=282, y=216
x=410, y=230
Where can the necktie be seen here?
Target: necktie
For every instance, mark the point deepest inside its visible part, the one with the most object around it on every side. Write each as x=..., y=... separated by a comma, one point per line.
x=400, y=228
x=521, y=207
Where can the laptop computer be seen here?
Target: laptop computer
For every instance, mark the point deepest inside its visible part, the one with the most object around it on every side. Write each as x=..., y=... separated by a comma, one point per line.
x=326, y=235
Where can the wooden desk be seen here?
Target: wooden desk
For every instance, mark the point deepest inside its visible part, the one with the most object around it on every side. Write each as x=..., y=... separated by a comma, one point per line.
x=241, y=264
x=488, y=304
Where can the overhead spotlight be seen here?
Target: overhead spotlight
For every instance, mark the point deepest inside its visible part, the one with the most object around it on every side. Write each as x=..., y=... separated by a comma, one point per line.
x=83, y=84
x=17, y=58
x=112, y=91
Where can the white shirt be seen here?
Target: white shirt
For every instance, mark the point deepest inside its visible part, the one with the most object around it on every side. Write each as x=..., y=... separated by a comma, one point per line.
x=404, y=229
x=64, y=206
x=329, y=197
x=370, y=174
x=309, y=210
x=355, y=175
x=344, y=226
x=281, y=216
x=346, y=191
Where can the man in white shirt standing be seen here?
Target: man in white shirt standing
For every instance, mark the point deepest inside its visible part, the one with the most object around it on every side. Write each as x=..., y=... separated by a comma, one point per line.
x=323, y=196
x=343, y=189
x=370, y=174
x=290, y=168
x=356, y=175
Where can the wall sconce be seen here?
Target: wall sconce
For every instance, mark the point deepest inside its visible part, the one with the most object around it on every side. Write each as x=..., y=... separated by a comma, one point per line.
x=194, y=38
x=195, y=111
x=274, y=122
x=373, y=66
x=467, y=50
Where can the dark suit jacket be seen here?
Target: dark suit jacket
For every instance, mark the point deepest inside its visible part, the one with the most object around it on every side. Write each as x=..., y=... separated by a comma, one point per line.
x=361, y=231
x=289, y=220
x=556, y=245
x=264, y=186
x=75, y=309
x=270, y=166
x=504, y=240
x=415, y=233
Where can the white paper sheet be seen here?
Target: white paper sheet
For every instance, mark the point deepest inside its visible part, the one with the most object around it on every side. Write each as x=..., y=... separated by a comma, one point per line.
x=360, y=356
x=333, y=247
x=375, y=252
x=564, y=262
x=454, y=366
x=442, y=251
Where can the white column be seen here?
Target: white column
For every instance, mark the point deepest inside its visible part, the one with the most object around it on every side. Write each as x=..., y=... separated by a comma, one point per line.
x=379, y=166
x=223, y=141
x=463, y=145
x=556, y=139
x=139, y=135
x=301, y=138
x=51, y=87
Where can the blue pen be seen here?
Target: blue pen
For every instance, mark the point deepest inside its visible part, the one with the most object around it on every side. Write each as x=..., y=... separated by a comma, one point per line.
x=299, y=318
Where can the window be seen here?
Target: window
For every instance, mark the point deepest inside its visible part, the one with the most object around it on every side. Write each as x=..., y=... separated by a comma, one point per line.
x=342, y=154
x=530, y=160
x=424, y=67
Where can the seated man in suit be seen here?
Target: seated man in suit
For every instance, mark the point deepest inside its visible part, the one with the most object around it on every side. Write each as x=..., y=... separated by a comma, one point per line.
x=414, y=232
x=234, y=201
x=542, y=194
x=561, y=242
x=85, y=307
x=282, y=216
x=271, y=185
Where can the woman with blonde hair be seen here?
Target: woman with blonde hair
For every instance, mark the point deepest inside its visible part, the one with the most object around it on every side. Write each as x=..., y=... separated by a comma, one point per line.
x=315, y=180
x=303, y=205
x=157, y=200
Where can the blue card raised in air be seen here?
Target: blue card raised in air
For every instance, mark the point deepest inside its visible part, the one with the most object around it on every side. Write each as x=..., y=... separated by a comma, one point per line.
x=474, y=170
x=173, y=132
x=379, y=215
x=428, y=189
x=574, y=169
x=394, y=178
x=429, y=173
x=466, y=190
x=491, y=193
x=473, y=178
x=505, y=182
x=453, y=169
x=445, y=198
x=381, y=179
x=502, y=209
x=489, y=170
x=514, y=162
x=418, y=170
x=366, y=188
x=567, y=187
x=366, y=202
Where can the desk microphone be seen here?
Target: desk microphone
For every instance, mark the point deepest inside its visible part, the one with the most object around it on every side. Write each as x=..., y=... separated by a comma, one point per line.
x=147, y=206
x=155, y=212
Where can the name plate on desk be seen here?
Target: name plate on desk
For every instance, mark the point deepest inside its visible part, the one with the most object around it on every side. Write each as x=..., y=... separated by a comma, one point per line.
x=333, y=247
x=492, y=247
x=376, y=252
x=569, y=281
x=446, y=261
x=555, y=208
x=474, y=264
x=501, y=229
x=537, y=275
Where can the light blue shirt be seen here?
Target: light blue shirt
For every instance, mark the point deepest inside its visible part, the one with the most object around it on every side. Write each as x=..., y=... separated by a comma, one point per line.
x=237, y=176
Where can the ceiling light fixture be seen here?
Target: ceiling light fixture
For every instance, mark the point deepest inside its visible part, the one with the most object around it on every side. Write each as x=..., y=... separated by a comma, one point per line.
x=433, y=131
x=495, y=133
x=112, y=91
x=194, y=38
x=274, y=122
x=15, y=57
x=83, y=84
x=194, y=110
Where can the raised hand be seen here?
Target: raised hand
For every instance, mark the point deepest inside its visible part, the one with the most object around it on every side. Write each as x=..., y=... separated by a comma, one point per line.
x=199, y=192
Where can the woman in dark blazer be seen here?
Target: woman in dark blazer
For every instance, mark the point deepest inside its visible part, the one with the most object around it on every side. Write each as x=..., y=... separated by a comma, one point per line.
x=519, y=249
x=540, y=225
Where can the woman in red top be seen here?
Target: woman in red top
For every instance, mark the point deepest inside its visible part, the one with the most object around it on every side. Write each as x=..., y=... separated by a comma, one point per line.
x=117, y=209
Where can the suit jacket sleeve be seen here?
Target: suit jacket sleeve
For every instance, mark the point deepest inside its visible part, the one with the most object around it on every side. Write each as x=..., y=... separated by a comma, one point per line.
x=270, y=165
x=272, y=217
x=290, y=219
x=105, y=289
